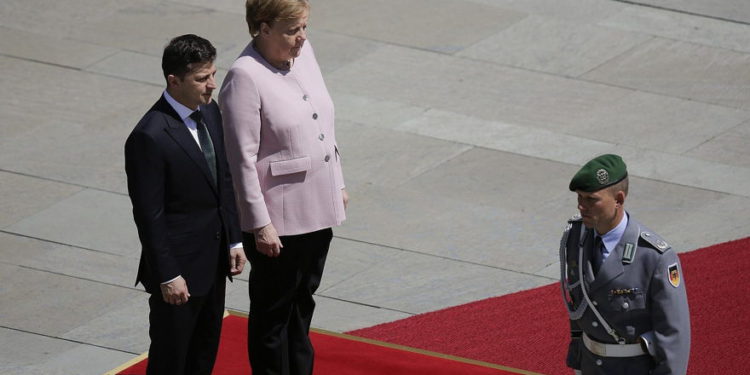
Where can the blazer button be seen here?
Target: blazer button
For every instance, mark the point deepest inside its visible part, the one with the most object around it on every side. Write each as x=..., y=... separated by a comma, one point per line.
x=218, y=235
x=315, y=116
x=327, y=158
x=305, y=97
x=321, y=136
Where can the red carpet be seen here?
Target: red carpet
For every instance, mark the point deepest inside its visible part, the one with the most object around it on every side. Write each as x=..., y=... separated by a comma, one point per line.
x=528, y=329
x=525, y=330
x=339, y=354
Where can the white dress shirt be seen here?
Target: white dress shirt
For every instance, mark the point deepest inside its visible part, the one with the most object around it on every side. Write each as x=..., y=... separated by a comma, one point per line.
x=184, y=113
x=612, y=238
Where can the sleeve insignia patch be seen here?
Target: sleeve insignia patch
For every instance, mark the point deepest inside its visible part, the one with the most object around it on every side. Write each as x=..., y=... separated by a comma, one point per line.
x=674, y=275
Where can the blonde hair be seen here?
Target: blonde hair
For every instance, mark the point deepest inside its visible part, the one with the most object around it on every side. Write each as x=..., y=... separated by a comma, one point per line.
x=270, y=11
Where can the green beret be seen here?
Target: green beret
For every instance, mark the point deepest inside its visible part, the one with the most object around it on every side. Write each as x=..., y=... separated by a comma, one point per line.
x=600, y=172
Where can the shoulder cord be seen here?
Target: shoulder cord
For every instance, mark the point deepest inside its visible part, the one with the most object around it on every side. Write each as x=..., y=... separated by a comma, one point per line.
x=565, y=287
x=578, y=312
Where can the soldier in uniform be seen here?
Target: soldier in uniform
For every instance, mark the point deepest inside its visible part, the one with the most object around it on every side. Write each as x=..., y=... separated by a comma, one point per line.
x=621, y=282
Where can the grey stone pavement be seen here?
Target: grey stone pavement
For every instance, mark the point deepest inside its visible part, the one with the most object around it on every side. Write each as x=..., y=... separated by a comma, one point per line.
x=460, y=123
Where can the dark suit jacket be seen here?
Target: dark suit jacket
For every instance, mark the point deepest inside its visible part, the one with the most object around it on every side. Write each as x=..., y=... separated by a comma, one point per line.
x=184, y=220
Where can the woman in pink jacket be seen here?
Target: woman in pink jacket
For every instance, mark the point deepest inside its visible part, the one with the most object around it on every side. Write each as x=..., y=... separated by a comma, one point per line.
x=281, y=147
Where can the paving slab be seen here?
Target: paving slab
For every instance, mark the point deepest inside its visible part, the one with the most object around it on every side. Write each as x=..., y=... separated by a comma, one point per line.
x=131, y=66
x=370, y=111
x=22, y=196
x=48, y=49
x=90, y=219
x=672, y=25
x=83, y=360
x=490, y=178
x=688, y=218
x=348, y=258
x=552, y=271
x=23, y=353
x=424, y=24
x=388, y=158
x=55, y=18
x=686, y=171
x=16, y=122
x=523, y=140
x=83, y=98
x=728, y=10
x=147, y=26
x=341, y=316
x=705, y=74
x=58, y=153
x=660, y=123
x=333, y=50
x=94, y=266
x=435, y=225
x=573, y=145
x=415, y=283
x=574, y=150
x=124, y=327
x=50, y=142
x=51, y=304
x=554, y=45
x=730, y=147
x=579, y=11
x=475, y=88
x=229, y=6
x=237, y=298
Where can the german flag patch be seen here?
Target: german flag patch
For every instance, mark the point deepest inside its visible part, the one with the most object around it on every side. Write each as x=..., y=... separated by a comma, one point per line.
x=674, y=275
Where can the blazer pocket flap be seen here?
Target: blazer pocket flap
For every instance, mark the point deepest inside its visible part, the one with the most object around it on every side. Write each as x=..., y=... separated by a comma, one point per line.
x=282, y=167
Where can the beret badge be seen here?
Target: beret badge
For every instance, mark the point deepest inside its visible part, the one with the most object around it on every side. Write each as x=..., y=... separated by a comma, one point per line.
x=602, y=176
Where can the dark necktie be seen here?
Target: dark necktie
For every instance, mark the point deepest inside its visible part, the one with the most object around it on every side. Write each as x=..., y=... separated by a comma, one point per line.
x=597, y=254
x=207, y=146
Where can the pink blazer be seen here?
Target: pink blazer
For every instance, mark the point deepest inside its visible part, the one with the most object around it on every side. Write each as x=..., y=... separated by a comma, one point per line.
x=280, y=144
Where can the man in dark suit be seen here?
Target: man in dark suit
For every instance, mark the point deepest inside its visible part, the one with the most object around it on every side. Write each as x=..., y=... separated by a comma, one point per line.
x=184, y=208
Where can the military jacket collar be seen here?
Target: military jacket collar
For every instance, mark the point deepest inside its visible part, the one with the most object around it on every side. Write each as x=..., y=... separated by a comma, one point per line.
x=613, y=265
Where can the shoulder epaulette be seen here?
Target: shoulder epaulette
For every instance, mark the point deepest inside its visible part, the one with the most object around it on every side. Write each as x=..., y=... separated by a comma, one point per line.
x=655, y=241
x=573, y=220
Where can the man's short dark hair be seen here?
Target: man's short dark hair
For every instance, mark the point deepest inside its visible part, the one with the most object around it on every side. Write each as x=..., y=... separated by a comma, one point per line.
x=185, y=50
